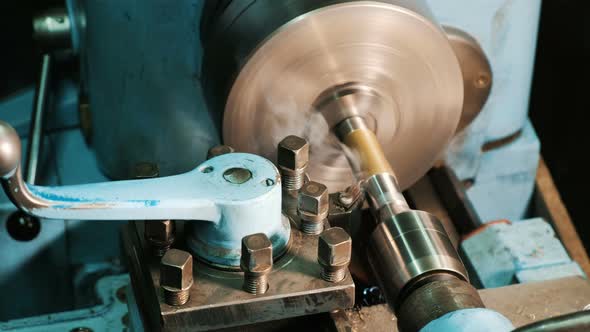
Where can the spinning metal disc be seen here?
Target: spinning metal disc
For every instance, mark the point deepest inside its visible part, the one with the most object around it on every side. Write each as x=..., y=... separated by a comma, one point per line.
x=381, y=61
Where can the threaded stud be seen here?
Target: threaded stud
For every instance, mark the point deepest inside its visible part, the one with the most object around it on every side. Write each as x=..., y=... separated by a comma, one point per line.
x=333, y=276
x=256, y=262
x=292, y=159
x=159, y=251
x=176, y=298
x=176, y=276
x=292, y=181
x=312, y=227
x=334, y=253
x=255, y=284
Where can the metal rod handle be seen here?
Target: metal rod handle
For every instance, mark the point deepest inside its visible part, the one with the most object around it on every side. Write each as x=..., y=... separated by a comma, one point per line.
x=37, y=119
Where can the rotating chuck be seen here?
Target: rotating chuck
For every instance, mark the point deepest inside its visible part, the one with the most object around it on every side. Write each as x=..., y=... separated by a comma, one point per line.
x=267, y=85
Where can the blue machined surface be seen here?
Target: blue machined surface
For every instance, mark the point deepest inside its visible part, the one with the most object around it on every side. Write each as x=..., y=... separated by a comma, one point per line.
x=107, y=316
x=17, y=108
x=470, y=320
x=505, y=179
x=507, y=32
x=141, y=67
x=50, y=253
x=522, y=251
x=548, y=272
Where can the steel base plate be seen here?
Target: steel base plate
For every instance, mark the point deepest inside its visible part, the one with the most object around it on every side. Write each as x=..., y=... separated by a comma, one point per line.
x=217, y=299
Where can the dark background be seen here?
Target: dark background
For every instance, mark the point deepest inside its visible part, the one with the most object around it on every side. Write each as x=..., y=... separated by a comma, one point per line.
x=560, y=98
x=560, y=102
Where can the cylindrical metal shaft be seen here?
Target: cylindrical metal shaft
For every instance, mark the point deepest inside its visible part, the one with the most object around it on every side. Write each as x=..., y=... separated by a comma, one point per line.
x=35, y=140
x=365, y=149
x=413, y=258
x=384, y=193
x=406, y=246
x=370, y=164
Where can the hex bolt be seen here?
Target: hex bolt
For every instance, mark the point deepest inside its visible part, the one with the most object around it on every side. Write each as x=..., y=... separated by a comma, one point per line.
x=218, y=150
x=256, y=262
x=176, y=276
x=292, y=159
x=160, y=235
x=313, y=204
x=349, y=196
x=334, y=252
x=146, y=170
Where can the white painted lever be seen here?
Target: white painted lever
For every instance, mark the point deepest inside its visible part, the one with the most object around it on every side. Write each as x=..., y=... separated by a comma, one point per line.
x=239, y=194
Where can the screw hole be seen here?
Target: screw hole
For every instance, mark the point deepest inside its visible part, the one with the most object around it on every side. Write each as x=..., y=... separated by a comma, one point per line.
x=482, y=81
x=237, y=175
x=207, y=169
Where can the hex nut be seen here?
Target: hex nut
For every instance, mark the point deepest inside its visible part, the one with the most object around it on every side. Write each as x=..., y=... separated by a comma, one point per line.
x=176, y=271
x=256, y=262
x=313, y=202
x=334, y=248
x=256, y=254
x=293, y=154
x=219, y=150
x=160, y=231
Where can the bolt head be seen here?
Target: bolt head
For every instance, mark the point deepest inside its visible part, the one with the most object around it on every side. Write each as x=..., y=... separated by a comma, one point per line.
x=348, y=197
x=334, y=248
x=176, y=270
x=256, y=253
x=160, y=231
x=146, y=170
x=313, y=199
x=219, y=150
x=293, y=153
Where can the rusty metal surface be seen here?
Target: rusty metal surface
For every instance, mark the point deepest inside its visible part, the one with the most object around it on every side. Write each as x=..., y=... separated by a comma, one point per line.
x=522, y=304
x=548, y=204
x=531, y=302
x=218, y=301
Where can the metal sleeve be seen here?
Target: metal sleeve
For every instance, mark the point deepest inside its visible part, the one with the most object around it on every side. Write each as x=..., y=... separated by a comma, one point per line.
x=408, y=245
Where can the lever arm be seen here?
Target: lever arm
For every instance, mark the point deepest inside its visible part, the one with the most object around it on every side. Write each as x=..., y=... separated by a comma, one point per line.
x=235, y=194
x=210, y=192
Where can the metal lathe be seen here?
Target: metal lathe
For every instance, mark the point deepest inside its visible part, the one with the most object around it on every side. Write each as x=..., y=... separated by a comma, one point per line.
x=266, y=165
